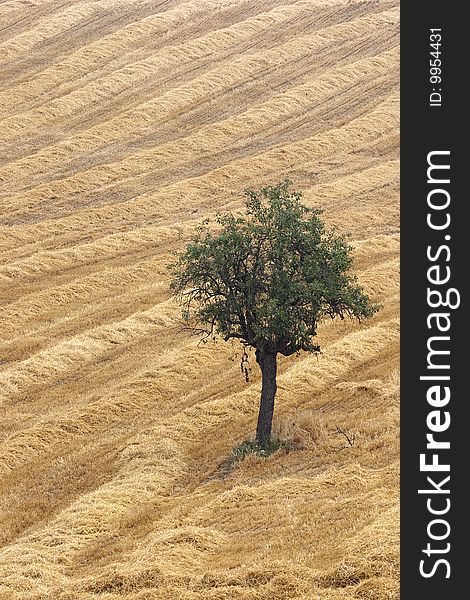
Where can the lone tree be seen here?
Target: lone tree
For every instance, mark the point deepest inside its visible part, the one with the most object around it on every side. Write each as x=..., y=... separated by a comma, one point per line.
x=267, y=279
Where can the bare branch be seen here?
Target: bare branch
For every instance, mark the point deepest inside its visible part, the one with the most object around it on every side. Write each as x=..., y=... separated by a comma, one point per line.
x=350, y=440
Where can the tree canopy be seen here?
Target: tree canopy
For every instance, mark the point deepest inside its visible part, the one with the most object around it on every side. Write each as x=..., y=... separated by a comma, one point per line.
x=269, y=277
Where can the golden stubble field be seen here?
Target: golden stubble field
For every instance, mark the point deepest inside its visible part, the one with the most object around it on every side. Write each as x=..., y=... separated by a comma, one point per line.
x=124, y=123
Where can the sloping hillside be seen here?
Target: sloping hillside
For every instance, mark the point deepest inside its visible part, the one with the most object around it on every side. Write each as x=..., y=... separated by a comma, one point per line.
x=123, y=124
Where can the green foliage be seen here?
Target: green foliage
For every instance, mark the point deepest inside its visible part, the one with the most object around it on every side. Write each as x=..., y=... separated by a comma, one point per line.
x=248, y=447
x=253, y=447
x=269, y=277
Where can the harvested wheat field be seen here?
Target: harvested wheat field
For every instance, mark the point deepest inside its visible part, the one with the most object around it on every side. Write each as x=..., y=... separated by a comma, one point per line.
x=124, y=124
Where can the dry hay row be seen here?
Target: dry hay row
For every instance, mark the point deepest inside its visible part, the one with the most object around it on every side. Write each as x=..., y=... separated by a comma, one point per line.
x=363, y=222
x=379, y=193
x=142, y=176
x=113, y=186
x=92, y=253
x=93, y=294
x=53, y=25
x=217, y=139
x=83, y=63
x=311, y=521
x=379, y=86
x=179, y=549
x=71, y=300
x=67, y=298
x=167, y=381
x=8, y=7
x=310, y=374
x=150, y=32
x=217, y=143
x=154, y=518
x=18, y=242
x=124, y=245
x=218, y=78
x=304, y=376
x=131, y=75
x=360, y=184
x=88, y=58
x=120, y=134
x=381, y=280
x=101, y=22
x=360, y=222
x=144, y=578
x=190, y=546
x=154, y=458
x=270, y=113
x=387, y=286
x=66, y=322
x=181, y=195
x=363, y=401
x=79, y=65
x=173, y=366
x=13, y=12
x=374, y=553
x=206, y=497
x=345, y=402
x=92, y=517
x=310, y=419
x=289, y=502
x=383, y=245
x=221, y=507
x=214, y=142
x=374, y=414
x=53, y=363
x=89, y=367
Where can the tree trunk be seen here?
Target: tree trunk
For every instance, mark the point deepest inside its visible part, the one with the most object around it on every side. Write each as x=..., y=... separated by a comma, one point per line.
x=268, y=364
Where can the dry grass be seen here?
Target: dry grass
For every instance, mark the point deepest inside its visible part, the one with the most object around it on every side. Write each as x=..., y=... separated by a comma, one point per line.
x=122, y=125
